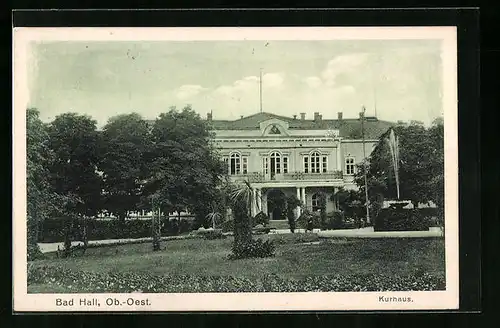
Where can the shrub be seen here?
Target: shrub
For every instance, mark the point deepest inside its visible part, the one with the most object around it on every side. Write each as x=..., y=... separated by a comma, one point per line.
x=253, y=248
x=394, y=219
x=291, y=203
x=227, y=226
x=335, y=220
x=53, y=229
x=261, y=218
x=304, y=218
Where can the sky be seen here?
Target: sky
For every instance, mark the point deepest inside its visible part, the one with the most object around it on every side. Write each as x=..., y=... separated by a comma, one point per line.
x=394, y=79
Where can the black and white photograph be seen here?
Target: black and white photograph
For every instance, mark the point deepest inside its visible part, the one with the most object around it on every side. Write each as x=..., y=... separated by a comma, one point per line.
x=214, y=169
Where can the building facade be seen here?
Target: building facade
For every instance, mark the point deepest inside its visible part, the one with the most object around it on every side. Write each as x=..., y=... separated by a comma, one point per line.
x=283, y=156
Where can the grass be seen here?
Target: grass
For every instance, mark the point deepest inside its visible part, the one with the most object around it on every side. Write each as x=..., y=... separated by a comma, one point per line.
x=298, y=256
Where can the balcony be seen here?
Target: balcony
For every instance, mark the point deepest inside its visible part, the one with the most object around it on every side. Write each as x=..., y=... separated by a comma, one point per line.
x=290, y=176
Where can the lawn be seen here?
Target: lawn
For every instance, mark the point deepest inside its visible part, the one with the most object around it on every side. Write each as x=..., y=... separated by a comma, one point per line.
x=298, y=258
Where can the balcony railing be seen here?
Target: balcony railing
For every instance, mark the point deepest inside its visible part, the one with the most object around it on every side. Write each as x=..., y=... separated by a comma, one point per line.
x=290, y=176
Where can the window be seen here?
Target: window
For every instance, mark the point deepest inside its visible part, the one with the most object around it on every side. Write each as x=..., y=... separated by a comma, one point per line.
x=236, y=164
x=285, y=164
x=245, y=165
x=265, y=165
x=318, y=201
x=275, y=163
x=349, y=165
x=315, y=163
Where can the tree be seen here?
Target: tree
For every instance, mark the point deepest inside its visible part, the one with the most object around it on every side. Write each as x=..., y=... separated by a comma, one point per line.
x=436, y=167
x=183, y=168
x=74, y=174
x=322, y=212
x=241, y=202
x=291, y=203
x=421, y=165
x=42, y=201
x=124, y=142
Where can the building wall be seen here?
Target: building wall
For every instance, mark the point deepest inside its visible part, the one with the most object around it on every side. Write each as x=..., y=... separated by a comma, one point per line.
x=355, y=148
x=294, y=150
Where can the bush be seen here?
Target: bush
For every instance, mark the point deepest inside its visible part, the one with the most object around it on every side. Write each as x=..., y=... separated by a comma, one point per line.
x=394, y=219
x=291, y=204
x=53, y=229
x=335, y=220
x=227, y=226
x=260, y=218
x=304, y=218
x=128, y=282
x=252, y=249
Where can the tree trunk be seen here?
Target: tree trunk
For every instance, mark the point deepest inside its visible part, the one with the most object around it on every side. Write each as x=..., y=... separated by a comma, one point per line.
x=85, y=236
x=67, y=238
x=155, y=226
x=242, y=229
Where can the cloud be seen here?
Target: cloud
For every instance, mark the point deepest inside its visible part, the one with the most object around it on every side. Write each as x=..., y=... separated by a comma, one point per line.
x=250, y=84
x=341, y=65
x=273, y=80
x=238, y=86
x=313, y=82
x=188, y=90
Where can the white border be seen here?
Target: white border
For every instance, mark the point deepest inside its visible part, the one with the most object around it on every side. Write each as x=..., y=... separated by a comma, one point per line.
x=238, y=301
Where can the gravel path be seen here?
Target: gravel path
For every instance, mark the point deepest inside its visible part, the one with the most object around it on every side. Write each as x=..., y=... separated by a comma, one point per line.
x=351, y=233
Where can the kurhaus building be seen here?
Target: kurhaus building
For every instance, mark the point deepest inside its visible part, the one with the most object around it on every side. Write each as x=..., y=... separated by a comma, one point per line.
x=307, y=157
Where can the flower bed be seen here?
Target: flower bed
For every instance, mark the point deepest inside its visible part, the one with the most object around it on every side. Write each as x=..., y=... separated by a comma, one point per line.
x=89, y=282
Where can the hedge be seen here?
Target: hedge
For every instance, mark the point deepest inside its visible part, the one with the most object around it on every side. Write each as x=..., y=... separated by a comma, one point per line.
x=126, y=282
x=394, y=219
x=53, y=229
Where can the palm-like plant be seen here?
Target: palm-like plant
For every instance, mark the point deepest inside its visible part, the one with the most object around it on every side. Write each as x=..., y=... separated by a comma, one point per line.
x=214, y=217
x=240, y=196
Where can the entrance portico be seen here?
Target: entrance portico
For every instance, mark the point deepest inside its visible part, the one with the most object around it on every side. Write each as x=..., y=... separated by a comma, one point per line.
x=265, y=194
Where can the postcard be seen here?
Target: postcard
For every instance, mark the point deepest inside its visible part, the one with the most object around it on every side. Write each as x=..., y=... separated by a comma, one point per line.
x=235, y=169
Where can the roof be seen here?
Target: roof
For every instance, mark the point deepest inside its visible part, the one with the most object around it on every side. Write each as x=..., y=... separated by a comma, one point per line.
x=348, y=127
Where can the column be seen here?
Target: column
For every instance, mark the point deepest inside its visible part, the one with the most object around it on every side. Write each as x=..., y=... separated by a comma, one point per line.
x=339, y=156
x=259, y=200
x=253, y=210
x=299, y=198
x=303, y=195
x=335, y=203
x=264, y=202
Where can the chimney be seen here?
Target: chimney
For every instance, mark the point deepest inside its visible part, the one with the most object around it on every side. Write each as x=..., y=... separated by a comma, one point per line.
x=317, y=117
x=339, y=116
x=294, y=117
x=209, y=116
x=302, y=116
